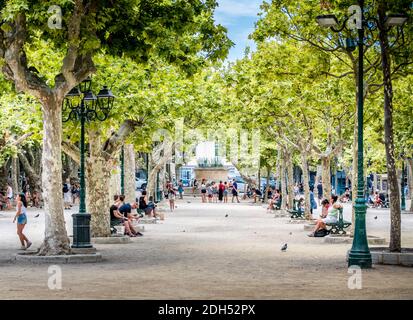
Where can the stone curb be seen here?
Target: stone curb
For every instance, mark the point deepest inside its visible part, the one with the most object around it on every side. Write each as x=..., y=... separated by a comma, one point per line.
x=340, y=239
x=63, y=259
x=297, y=221
x=111, y=240
x=382, y=256
x=147, y=221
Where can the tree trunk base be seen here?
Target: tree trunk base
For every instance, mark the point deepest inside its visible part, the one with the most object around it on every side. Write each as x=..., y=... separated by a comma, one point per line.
x=54, y=247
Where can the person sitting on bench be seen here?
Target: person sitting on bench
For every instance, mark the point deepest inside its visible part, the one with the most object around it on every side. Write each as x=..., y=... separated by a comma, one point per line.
x=116, y=218
x=256, y=193
x=274, y=200
x=332, y=216
x=325, y=204
x=147, y=207
x=126, y=210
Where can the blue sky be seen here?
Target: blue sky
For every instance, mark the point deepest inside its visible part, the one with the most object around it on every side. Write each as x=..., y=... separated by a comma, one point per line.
x=238, y=16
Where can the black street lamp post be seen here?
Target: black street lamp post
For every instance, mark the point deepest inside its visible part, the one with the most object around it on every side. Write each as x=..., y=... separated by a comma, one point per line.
x=359, y=254
x=88, y=108
x=402, y=187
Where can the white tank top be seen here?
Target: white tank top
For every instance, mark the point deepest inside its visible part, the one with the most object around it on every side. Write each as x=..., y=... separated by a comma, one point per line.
x=24, y=209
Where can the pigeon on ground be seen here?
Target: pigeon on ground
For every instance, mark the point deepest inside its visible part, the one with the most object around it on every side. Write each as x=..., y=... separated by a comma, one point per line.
x=188, y=202
x=375, y=218
x=37, y=215
x=284, y=247
x=226, y=216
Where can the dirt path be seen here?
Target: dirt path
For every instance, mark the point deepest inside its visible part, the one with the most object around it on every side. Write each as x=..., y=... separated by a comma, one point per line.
x=198, y=253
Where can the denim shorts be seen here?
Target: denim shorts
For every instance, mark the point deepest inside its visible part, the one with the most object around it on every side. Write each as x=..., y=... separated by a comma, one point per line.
x=22, y=219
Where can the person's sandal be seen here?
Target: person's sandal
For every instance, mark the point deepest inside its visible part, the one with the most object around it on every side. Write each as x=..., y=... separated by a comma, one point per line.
x=311, y=234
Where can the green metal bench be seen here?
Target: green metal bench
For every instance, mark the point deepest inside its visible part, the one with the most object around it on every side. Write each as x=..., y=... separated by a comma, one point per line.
x=339, y=226
x=296, y=212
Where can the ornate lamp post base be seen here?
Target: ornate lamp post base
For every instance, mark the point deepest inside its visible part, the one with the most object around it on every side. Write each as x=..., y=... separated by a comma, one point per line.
x=360, y=254
x=361, y=259
x=81, y=230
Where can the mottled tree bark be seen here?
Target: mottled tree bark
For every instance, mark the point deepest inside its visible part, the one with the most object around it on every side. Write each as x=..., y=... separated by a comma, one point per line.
x=326, y=176
x=97, y=186
x=114, y=183
x=56, y=240
x=410, y=181
x=130, y=169
x=15, y=174
x=32, y=176
x=290, y=179
x=267, y=183
x=306, y=182
x=283, y=183
x=395, y=212
x=3, y=177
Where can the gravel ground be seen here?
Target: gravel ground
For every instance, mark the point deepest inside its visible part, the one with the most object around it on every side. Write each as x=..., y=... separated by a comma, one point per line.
x=198, y=253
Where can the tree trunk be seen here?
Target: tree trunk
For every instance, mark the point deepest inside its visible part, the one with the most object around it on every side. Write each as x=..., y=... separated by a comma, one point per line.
x=130, y=169
x=97, y=186
x=3, y=177
x=395, y=225
x=267, y=183
x=114, y=183
x=31, y=175
x=410, y=181
x=151, y=182
x=278, y=170
x=65, y=167
x=248, y=179
x=56, y=241
x=326, y=176
x=283, y=183
x=290, y=181
x=15, y=175
x=306, y=182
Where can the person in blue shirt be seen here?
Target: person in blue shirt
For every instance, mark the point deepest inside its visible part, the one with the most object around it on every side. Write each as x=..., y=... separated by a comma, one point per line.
x=126, y=210
x=234, y=191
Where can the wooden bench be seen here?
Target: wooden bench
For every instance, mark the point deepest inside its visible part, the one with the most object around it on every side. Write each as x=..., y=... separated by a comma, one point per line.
x=339, y=226
x=297, y=212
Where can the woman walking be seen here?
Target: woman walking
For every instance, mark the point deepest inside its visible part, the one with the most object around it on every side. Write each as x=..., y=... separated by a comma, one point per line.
x=171, y=197
x=194, y=187
x=203, y=191
x=21, y=218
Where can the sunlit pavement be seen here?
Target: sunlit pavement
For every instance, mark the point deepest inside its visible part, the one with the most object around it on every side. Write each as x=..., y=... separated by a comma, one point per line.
x=199, y=253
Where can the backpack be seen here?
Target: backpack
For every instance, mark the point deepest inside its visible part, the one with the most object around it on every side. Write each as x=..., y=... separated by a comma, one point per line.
x=65, y=188
x=321, y=233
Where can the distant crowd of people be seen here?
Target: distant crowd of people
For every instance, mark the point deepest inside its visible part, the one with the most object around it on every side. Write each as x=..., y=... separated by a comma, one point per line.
x=7, y=197
x=71, y=194
x=213, y=192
